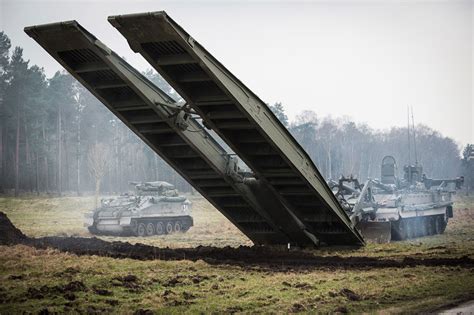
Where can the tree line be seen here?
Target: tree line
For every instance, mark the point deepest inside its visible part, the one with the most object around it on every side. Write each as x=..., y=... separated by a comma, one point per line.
x=52, y=131
x=341, y=147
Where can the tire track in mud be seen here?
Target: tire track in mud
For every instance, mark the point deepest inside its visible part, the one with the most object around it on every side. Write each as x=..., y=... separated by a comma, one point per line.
x=273, y=258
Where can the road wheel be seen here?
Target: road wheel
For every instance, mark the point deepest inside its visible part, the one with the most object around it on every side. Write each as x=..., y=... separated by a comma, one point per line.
x=141, y=231
x=134, y=227
x=169, y=228
x=177, y=227
x=160, y=228
x=430, y=226
x=410, y=228
x=443, y=224
x=150, y=229
x=415, y=225
x=422, y=222
x=402, y=229
x=419, y=227
x=93, y=230
x=437, y=225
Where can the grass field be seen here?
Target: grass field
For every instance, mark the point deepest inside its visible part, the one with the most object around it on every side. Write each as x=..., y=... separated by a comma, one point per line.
x=38, y=217
x=32, y=280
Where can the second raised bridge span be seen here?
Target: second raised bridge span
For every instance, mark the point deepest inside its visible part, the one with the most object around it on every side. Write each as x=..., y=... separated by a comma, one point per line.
x=285, y=200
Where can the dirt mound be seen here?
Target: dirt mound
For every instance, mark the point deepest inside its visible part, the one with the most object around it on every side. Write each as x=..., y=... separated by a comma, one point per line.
x=68, y=291
x=9, y=234
x=275, y=259
x=263, y=257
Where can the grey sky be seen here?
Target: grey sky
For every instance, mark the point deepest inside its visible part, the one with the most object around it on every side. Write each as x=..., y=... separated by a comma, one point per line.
x=367, y=60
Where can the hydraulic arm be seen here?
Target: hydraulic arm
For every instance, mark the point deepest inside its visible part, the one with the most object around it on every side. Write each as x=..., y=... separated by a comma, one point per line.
x=170, y=131
x=243, y=121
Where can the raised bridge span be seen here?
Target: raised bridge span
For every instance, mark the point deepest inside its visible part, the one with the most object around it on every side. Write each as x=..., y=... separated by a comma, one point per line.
x=283, y=200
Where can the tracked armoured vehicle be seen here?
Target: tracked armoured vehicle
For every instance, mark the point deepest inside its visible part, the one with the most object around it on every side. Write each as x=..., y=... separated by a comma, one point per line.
x=398, y=209
x=282, y=200
x=156, y=208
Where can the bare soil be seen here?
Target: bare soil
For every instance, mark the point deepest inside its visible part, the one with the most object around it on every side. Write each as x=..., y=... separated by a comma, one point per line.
x=56, y=267
x=269, y=257
x=9, y=234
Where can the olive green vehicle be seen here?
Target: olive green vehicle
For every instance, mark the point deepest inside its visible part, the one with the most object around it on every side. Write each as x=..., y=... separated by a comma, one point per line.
x=395, y=208
x=282, y=199
x=155, y=208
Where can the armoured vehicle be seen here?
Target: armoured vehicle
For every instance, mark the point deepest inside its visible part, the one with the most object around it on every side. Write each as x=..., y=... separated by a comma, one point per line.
x=398, y=209
x=154, y=208
x=283, y=200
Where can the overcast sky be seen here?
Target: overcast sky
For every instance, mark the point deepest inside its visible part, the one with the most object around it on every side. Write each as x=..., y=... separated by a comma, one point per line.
x=367, y=60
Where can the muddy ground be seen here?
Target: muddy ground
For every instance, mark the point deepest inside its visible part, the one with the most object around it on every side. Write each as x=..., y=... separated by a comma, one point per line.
x=244, y=255
x=50, y=263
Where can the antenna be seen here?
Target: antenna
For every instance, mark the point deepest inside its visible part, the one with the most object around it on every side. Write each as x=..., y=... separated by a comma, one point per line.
x=409, y=139
x=414, y=136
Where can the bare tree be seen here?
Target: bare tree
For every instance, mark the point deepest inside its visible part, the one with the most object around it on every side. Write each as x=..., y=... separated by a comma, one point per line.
x=97, y=161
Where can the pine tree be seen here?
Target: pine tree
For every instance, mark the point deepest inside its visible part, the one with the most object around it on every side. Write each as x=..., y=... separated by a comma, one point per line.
x=5, y=46
x=279, y=112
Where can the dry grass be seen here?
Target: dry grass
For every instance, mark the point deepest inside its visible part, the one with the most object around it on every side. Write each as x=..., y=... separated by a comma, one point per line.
x=176, y=287
x=457, y=240
x=200, y=287
x=38, y=217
